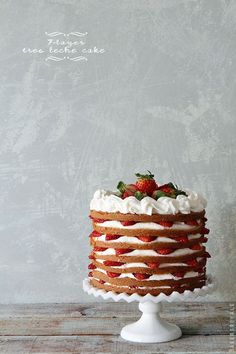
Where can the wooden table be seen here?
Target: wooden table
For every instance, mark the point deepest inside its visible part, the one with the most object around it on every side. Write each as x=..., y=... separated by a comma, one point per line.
x=95, y=327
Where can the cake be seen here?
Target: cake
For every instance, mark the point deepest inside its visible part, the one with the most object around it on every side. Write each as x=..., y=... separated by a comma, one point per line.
x=148, y=238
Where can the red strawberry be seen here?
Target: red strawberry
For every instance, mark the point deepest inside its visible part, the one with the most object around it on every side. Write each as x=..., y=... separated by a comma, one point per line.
x=165, y=250
x=153, y=265
x=111, y=237
x=205, y=231
x=166, y=188
x=128, y=223
x=146, y=238
x=91, y=266
x=90, y=274
x=179, y=274
x=165, y=223
x=95, y=234
x=113, y=275
x=192, y=262
x=91, y=256
x=181, y=239
x=97, y=220
x=146, y=183
x=191, y=222
x=141, y=276
x=112, y=263
x=126, y=190
x=99, y=249
x=101, y=281
x=122, y=251
x=196, y=247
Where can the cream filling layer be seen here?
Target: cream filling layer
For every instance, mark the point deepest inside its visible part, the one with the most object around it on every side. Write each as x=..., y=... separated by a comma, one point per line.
x=178, y=252
x=145, y=225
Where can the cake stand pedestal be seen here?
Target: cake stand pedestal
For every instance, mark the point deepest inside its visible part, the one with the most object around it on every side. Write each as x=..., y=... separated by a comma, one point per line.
x=150, y=328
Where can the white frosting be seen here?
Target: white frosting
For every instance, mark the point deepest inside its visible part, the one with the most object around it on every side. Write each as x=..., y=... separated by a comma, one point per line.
x=145, y=225
x=178, y=252
x=107, y=201
x=155, y=276
x=135, y=240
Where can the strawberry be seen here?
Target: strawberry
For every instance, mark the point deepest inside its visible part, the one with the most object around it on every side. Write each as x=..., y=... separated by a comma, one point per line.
x=153, y=265
x=191, y=222
x=181, y=239
x=179, y=274
x=165, y=250
x=126, y=190
x=128, y=223
x=101, y=281
x=166, y=189
x=91, y=256
x=196, y=247
x=113, y=275
x=165, y=223
x=122, y=251
x=192, y=262
x=95, y=234
x=96, y=219
x=146, y=183
x=90, y=274
x=99, y=249
x=111, y=237
x=141, y=276
x=146, y=238
x=205, y=231
x=91, y=266
x=112, y=263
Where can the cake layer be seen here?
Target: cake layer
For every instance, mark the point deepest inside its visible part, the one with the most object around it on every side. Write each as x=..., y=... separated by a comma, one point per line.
x=146, y=218
x=143, y=290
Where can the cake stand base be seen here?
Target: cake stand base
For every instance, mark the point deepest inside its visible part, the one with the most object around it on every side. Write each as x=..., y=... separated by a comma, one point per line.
x=150, y=328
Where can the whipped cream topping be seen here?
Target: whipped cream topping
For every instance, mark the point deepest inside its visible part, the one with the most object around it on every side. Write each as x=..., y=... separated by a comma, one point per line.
x=110, y=202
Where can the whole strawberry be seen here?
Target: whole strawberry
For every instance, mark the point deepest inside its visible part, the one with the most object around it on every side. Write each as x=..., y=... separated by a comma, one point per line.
x=146, y=183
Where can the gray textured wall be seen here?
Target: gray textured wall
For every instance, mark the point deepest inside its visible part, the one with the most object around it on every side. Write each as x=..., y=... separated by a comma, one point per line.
x=161, y=97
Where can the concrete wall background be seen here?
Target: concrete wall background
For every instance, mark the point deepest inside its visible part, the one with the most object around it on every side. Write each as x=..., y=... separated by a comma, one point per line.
x=161, y=97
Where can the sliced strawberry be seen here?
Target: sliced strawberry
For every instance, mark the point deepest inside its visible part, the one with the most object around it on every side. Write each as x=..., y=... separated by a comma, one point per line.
x=99, y=249
x=122, y=251
x=91, y=256
x=165, y=223
x=112, y=263
x=110, y=237
x=146, y=238
x=101, y=281
x=153, y=265
x=95, y=234
x=179, y=274
x=91, y=266
x=191, y=222
x=90, y=274
x=181, y=239
x=196, y=247
x=205, y=231
x=113, y=275
x=192, y=262
x=165, y=250
x=128, y=223
x=141, y=276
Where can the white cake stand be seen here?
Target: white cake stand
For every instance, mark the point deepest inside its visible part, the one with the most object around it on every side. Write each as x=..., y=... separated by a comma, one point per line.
x=151, y=328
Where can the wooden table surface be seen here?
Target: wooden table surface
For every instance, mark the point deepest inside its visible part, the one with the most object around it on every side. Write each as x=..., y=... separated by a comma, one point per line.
x=95, y=328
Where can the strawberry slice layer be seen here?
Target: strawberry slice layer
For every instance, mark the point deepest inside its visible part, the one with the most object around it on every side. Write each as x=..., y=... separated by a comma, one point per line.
x=178, y=274
x=192, y=262
x=146, y=238
x=165, y=250
x=112, y=263
x=128, y=223
x=122, y=251
x=166, y=223
x=95, y=234
x=153, y=265
x=196, y=247
x=141, y=276
x=191, y=222
x=110, y=237
x=91, y=266
x=99, y=249
x=113, y=275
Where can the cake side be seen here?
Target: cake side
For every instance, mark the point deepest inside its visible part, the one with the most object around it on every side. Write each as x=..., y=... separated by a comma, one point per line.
x=139, y=252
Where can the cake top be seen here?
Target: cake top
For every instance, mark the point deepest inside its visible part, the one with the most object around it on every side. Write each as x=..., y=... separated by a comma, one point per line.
x=147, y=197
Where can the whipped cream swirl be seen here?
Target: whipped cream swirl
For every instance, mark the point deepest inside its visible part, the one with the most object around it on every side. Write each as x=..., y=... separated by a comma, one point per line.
x=109, y=202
